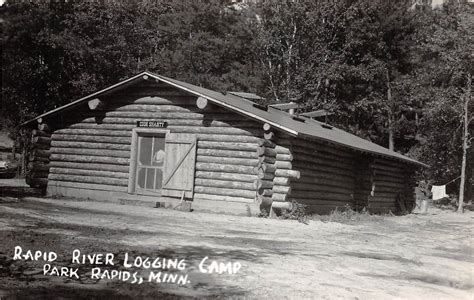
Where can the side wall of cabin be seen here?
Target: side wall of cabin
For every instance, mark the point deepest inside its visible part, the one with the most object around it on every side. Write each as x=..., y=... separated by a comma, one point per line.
x=325, y=176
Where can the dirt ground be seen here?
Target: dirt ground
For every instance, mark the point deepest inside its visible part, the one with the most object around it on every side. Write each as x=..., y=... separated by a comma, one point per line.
x=411, y=257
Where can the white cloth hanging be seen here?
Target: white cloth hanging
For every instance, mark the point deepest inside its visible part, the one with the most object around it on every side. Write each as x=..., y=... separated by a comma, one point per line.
x=438, y=191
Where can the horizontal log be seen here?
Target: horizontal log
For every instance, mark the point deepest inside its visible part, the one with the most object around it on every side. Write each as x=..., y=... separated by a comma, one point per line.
x=283, y=165
x=40, y=146
x=224, y=184
x=225, y=168
x=321, y=147
x=90, y=159
x=279, y=197
x=316, y=161
x=321, y=202
x=227, y=153
x=263, y=184
x=282, y=150
x=87, y=186
x=39, y=159
x=266, y=143
x=90, y=166
x=204, y=196
x=227, y=146
x=311, y=171
x=392, y=179
x=390, y=174
x=387, y=184
x=226, y=138
x=104, y=174
x=282, y=205
x=41, y=140
x=41, y=153
x=394, y=190
x=89, y=145
x=89, y=179
x=92, y=152
x=224, y=192
x=38, y=166
x=281, y=189
x=288, y=173
x=265, y=151
x=227, y=160
x=284, y=157
x=321, y=195
x=38, y=174
x=317, y=183
x=265, y=176
x=94, y=132
x=93, y=139
x=225, y=176
x=281, y=181
x=37, y=132
x=266, y=160
x=37, y=182
x=156, y=100
x=164, y=108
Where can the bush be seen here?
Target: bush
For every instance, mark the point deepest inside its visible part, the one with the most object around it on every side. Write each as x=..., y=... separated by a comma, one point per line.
x=297, y=212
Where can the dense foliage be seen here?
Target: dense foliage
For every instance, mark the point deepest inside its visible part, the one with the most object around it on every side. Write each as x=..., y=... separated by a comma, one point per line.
x=390, y=71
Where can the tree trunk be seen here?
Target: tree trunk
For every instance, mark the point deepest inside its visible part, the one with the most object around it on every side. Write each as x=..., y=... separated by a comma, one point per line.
x=391, y=144
x=465, y=143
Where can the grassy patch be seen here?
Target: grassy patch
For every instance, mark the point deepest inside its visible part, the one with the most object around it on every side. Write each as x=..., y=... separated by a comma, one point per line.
x=347, y=215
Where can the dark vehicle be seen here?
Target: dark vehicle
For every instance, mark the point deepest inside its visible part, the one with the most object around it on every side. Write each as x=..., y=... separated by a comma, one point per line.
x=8, y=166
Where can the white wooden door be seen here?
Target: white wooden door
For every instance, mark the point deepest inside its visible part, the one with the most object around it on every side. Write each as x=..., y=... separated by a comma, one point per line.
x=179, y=166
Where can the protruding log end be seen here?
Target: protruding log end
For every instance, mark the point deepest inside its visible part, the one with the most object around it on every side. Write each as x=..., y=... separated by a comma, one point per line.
x=202, y=103
x=44, y=127
x=269, y=135
x=267, y=127
x=96, y=104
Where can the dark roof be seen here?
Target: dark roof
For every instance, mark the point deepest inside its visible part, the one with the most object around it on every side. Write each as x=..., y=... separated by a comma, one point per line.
x=296, y=126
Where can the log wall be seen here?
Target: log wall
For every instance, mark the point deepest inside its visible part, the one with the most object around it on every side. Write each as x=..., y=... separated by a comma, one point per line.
x=92, y=151
x=326, y=175
x=39, y=157
x=393, y=187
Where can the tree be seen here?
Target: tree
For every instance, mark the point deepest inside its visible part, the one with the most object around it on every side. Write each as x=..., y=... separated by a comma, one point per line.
x=445, y=53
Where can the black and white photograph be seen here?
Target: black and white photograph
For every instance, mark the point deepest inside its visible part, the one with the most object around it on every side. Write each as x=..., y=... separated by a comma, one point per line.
x=237, y=149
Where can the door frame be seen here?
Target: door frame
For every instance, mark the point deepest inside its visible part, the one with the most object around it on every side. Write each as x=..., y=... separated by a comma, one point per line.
x=134, y=152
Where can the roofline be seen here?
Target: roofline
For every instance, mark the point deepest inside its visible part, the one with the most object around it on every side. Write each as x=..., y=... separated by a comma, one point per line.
x=223, y=104
x=405, y=159
x=70, y=105
x=230, y=107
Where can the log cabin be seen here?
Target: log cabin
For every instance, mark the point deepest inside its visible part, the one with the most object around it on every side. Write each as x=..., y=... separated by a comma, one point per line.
x=154, y=140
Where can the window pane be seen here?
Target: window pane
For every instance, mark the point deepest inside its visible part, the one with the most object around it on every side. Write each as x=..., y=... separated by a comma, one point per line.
x=159, y=178
x=141, y=177
x=159, y=149
x=144, y=154
x=150, y=177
